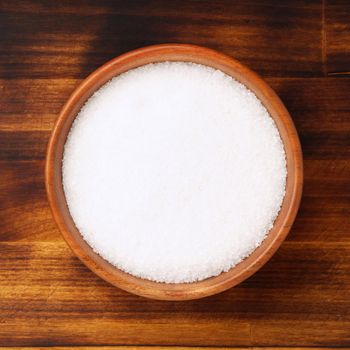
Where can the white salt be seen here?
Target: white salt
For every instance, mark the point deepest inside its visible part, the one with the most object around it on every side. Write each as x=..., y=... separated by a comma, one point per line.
x=174, y=172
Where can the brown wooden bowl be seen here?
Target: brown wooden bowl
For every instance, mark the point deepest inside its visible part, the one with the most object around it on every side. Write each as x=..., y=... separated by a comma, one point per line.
x=183, y=291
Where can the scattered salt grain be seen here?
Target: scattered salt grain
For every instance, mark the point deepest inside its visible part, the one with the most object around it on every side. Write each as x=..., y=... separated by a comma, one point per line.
x=174, y=172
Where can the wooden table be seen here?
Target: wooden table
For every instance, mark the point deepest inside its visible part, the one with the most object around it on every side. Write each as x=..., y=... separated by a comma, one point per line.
x=300, y=298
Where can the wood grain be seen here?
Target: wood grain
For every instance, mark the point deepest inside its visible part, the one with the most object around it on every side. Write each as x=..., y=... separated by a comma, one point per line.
x=163, y=347
x=337, y=37
x=276, y=38
x=300, y=298
x=157, y=348
x=52, y=298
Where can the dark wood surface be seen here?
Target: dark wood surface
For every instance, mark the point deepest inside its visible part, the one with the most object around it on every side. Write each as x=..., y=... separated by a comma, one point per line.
x=300, y=298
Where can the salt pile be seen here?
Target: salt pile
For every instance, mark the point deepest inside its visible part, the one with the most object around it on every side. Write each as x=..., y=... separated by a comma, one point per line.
x=174, y=172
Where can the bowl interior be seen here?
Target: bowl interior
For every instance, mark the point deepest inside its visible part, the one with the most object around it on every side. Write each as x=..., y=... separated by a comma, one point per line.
x=213, y=285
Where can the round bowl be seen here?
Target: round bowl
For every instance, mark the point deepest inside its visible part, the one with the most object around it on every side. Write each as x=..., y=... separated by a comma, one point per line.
x=183, y=291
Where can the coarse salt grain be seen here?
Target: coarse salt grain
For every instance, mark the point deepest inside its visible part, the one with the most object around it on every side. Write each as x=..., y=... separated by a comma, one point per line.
x=174, y=172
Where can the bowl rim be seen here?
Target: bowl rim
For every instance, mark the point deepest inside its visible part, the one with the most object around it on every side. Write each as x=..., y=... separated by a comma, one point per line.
x=170, y=291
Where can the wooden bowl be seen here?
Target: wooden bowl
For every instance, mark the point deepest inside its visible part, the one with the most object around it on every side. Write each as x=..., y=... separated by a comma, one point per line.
x=164, y=291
